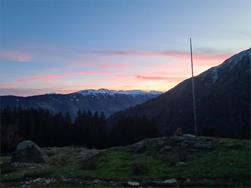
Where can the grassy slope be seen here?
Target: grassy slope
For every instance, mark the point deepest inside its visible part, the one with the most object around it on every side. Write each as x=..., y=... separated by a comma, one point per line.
x=228, y=163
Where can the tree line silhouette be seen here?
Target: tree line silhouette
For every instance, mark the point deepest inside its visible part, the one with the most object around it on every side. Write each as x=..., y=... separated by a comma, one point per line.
x=88, y=129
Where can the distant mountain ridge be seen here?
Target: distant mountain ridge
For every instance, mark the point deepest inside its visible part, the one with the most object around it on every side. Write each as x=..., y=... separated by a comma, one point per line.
x=117, y=92
x=102, y=100
x=222, y=98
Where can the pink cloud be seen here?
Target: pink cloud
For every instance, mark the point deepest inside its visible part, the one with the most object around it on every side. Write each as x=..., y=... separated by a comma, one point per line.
x=31, y=91
x=148, y=53
x=53, y=77
x=15, y=56
x=92, y=73
x=202, y=57
x=7, y=85
x=113, y=65
x=94, y=63
x=44, y=78
x=165, y=70
x=132, y=53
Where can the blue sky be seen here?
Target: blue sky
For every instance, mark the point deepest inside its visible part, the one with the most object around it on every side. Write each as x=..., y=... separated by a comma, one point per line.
x=69, y=45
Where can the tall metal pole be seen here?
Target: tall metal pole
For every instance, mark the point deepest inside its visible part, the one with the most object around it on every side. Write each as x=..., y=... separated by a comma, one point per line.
x=193, y=92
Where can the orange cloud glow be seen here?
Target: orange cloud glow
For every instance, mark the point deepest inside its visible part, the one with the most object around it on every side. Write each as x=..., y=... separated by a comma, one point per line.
x=148, y=71
x=159, y=78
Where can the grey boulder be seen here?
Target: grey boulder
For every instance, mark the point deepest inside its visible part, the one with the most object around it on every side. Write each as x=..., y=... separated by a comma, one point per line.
x=28, y=152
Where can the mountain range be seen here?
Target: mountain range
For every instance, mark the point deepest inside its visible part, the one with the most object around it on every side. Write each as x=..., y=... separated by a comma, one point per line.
x=222, y=101
x=101, y=100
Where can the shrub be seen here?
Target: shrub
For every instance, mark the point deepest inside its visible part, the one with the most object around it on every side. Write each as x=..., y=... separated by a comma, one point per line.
x=89, y=164
x=6, y=168
x=178, y=132
x=172, y=159
x=139, y=168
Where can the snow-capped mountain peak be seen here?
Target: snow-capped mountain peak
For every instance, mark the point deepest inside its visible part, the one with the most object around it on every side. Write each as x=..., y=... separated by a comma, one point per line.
x=212, y=75
x=117, y=92
x=236, y=59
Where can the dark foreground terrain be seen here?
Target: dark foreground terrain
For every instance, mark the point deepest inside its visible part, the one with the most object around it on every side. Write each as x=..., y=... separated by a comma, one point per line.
x=182, y=161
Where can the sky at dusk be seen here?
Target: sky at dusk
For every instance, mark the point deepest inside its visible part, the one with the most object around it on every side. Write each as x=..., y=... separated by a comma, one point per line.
x=64, y=46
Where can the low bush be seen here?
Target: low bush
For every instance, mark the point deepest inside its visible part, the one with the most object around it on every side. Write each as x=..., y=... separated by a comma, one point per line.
x=89, y=164
x=139, y=168
x=6, y=168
